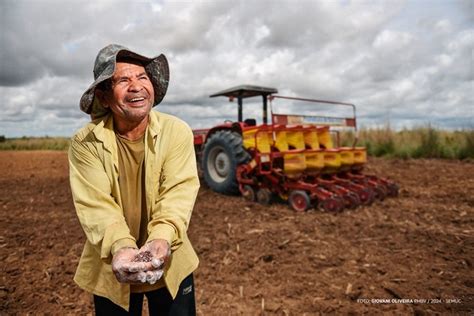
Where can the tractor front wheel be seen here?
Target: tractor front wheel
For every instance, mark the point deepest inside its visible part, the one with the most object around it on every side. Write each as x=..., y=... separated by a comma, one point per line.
x=223, y=152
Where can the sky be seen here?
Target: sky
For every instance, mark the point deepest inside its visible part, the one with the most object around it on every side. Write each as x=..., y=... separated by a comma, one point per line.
x=404, y=64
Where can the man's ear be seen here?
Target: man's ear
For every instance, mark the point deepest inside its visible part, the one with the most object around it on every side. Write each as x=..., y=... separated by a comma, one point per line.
x=102, y=97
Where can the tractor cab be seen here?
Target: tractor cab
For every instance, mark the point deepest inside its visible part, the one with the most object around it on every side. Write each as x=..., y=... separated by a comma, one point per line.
x=247, y=91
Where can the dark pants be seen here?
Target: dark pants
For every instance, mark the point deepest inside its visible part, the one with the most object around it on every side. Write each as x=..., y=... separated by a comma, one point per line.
x=160, y=302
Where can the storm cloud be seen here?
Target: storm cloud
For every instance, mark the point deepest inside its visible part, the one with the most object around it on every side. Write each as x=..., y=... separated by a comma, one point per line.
x=404, y=62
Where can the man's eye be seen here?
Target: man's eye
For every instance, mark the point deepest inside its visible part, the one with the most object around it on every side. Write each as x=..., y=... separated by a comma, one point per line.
x=143, y=78
x=120, y=81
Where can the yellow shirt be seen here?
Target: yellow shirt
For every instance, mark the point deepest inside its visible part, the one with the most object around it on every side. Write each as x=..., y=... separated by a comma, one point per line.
x=171, y=186
x=131, y=158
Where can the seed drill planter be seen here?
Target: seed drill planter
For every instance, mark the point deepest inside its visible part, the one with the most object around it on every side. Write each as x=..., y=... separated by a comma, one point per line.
x=294, y=157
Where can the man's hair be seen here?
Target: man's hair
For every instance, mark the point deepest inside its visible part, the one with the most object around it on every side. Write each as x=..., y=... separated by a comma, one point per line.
x=106, y=85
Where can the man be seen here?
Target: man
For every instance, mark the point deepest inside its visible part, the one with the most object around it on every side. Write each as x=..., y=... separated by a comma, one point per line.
x=134, y=183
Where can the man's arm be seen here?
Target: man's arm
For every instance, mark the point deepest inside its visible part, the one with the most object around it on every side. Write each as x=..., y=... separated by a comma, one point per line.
x=100, y=216
x=178, y=189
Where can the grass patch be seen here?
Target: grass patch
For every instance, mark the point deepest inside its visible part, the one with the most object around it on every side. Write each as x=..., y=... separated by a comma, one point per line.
x=421, y=142
x=34, y=143
x=467, y=150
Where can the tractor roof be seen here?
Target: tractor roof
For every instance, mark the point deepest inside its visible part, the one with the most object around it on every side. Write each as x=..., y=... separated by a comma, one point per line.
x=245, y=91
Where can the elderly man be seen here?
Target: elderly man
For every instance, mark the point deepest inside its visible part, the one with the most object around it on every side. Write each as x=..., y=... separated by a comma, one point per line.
x=134, y=183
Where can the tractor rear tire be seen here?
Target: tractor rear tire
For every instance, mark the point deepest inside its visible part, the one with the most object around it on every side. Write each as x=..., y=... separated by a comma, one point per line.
x=223, y=152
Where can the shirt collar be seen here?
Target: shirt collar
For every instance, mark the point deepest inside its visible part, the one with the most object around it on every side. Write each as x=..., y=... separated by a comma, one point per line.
x=104, y=130
x=154, y=125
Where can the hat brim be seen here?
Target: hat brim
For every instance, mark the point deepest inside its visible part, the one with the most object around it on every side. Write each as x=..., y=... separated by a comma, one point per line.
x=156, y=68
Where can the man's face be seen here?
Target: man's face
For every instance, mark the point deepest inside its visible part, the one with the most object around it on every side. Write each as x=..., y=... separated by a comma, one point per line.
x=131, y=97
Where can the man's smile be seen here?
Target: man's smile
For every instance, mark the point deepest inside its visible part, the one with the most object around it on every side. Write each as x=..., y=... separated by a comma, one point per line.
x=137, y=101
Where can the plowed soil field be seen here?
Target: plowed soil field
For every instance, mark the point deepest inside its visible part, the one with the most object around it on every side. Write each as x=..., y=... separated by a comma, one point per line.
x=407, y=255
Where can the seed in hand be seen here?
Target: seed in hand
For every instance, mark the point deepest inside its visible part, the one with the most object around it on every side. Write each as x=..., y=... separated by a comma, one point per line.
x=145, y=256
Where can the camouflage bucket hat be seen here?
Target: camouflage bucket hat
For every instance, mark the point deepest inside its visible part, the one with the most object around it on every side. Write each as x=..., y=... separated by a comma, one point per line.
x=104, y=68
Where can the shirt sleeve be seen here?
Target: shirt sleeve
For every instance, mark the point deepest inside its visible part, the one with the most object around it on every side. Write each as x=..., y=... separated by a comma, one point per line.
x=178, y=189
x=100, y=216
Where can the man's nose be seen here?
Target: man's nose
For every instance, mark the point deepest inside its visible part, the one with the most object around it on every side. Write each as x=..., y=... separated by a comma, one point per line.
x=135, y=86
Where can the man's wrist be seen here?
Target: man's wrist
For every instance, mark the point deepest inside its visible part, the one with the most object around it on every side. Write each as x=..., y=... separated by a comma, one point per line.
x=162, y=231
x=123, y=243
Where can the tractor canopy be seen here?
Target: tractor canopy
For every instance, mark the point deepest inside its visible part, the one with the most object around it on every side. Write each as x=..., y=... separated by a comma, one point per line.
x=246, y=91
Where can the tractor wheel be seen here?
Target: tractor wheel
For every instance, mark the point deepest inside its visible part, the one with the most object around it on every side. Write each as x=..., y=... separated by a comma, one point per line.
x=393, y=189
x=264, y=196
x=249, y=193
x=380, y=192
x=299, y=200
x=366, y=196
x=351, y=200
x=332, y=205
x=223, y=152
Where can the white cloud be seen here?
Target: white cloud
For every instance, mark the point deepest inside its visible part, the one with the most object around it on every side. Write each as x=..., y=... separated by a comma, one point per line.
x=394, y=60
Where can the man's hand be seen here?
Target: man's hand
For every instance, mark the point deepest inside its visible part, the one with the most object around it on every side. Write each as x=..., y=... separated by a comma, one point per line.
x=125, y=269
x=160, y=252
x=129, y=269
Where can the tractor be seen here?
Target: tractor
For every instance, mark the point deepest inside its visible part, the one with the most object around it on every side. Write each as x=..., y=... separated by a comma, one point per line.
x=291, y=157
